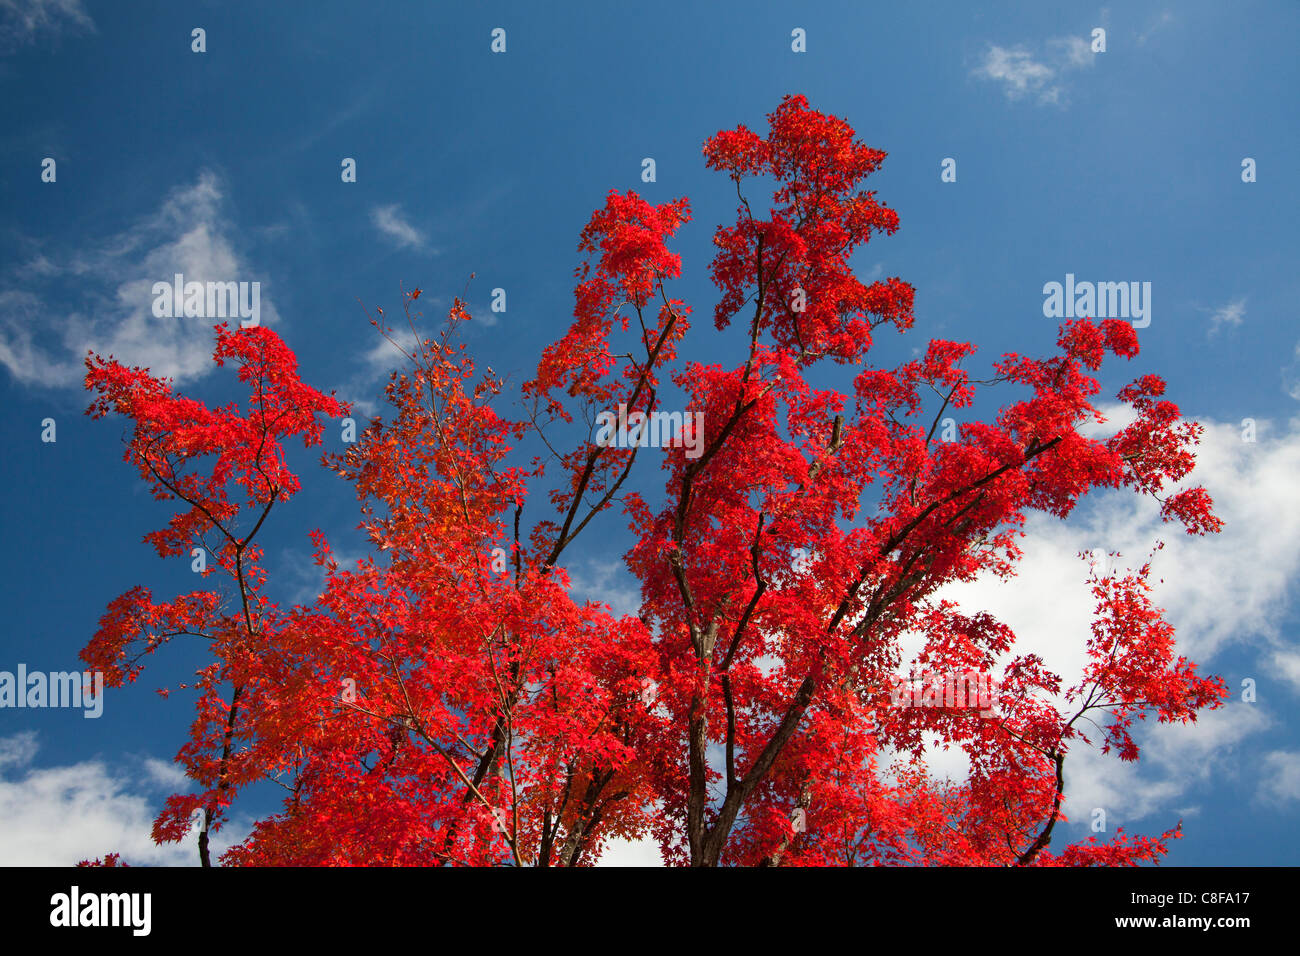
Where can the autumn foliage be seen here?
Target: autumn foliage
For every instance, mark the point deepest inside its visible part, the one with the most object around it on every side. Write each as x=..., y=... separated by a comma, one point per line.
x=448, y=702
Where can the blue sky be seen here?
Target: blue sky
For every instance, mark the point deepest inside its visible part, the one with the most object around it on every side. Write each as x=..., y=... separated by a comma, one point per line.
x=1124, y=165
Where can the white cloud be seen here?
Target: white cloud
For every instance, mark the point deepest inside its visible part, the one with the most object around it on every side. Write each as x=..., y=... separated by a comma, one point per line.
x=1022, y=74
x=382, y=357
x=607, y=582
x=188, y=234
x=620, y=852
x=1019, y=73
x=1219, y=590
x=1075, y=52
x=1230, y=314
x=1125, y=791
x=363, y=409
x=303, y=581
x=1175, y=758
x=1291, y=376
x=166, y=774
x=389, y=221
x=482, y=315
x=1215, y=733
x=18, y=749
x=21, y=316
x=390, y=353
x=1281, y=776
x=22, y=20
x=1286, y=664
x=57, y=816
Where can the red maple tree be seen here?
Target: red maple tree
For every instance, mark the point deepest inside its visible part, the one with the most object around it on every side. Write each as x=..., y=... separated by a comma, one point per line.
x=448, y=702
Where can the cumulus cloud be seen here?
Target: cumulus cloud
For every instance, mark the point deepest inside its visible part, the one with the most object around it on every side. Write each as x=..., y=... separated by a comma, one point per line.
x=44, y=337
x=58, y=816
x=1220, y=591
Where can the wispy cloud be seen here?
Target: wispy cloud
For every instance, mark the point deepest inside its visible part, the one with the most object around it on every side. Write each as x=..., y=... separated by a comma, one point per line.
x=1159, y=23
x=380, y=357
x=1291, y=375
x=44, y=334
x=391, y=223
x=1024, y=75
x=22, y=21
x=18, y=749
x=304, y=581
x=1073, y=53
x=391, y=352
x=1177, y=758
x=1230, y=314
